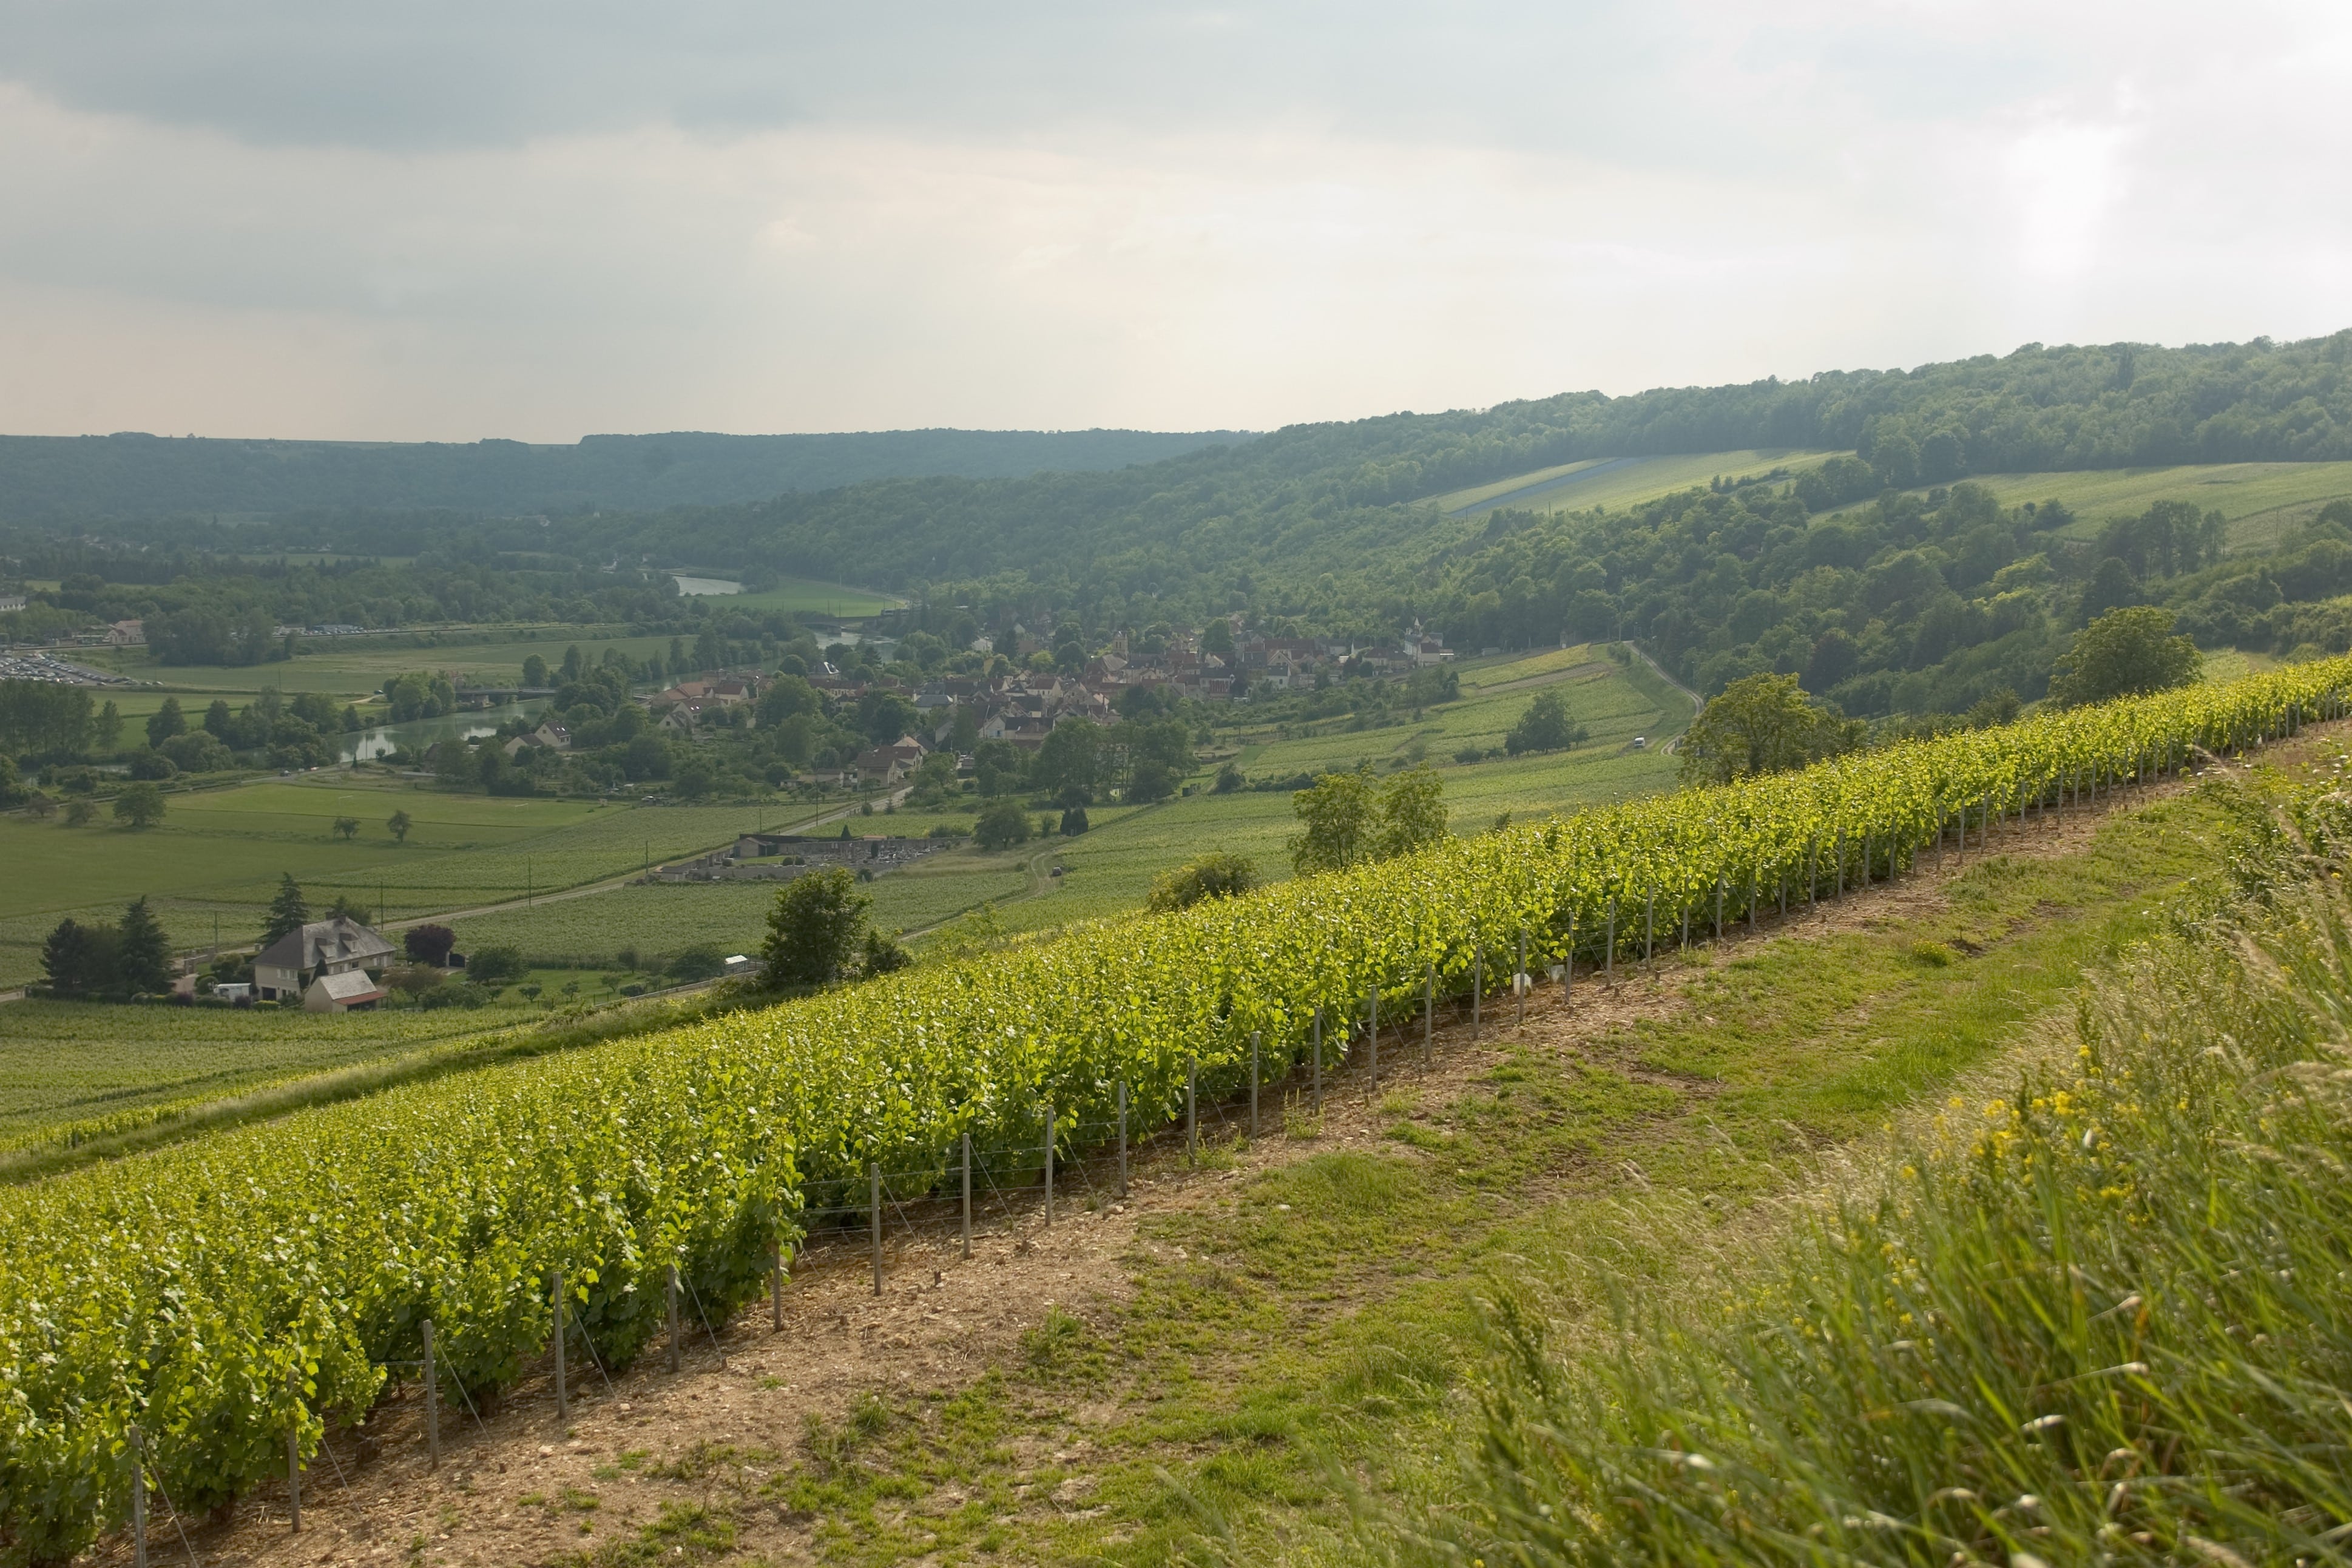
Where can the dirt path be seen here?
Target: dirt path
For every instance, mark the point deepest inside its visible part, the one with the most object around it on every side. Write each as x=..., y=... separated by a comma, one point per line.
x=741, y=1409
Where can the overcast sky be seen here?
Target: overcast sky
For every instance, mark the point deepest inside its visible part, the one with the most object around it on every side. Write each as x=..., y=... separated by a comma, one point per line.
x=448, y=220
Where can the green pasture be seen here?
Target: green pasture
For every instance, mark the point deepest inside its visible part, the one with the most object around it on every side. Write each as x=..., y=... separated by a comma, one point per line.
x=1590, y=484
x=218, y=853
x=660, y=919
x=2262, y=501
x=1600, y=695
x=1108, y=870
x=808, y=597
x=356, y=667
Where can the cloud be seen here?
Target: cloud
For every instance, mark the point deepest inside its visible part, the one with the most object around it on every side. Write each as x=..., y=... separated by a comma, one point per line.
x=527, y=221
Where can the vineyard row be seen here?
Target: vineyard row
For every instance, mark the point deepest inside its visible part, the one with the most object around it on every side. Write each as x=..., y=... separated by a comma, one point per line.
x=219, y=1293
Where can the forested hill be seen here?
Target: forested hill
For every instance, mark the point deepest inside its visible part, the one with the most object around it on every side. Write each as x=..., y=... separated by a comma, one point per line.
x=45, y=477
x=1311, y=498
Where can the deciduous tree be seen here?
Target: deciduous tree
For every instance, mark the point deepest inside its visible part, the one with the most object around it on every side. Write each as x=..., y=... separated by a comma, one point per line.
x=815, y=929
x=1763, y=724
x=139, y=805
x=2125, y=653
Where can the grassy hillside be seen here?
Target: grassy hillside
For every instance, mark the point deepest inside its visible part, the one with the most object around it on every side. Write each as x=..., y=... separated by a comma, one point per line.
x=1290, y=1350
x=2262, y=501
x=1618, y=481
x=132, y=475
x=1268, y=518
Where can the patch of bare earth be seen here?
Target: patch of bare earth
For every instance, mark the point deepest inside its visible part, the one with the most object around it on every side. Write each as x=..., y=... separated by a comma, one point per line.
x=746, y=1395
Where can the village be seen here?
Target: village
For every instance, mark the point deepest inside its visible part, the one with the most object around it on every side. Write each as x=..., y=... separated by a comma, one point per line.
x=1017, y=698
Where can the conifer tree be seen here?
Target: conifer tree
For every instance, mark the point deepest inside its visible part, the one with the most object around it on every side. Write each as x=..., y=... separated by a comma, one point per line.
x=142, y=950
x=288, y=910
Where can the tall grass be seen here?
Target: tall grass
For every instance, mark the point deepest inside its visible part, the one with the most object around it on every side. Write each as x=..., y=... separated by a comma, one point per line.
x=2104, y=1318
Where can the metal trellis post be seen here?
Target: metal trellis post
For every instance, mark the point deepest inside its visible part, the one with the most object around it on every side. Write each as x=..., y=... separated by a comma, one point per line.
x=562, y=1395
x=1316, y=1075
x=669, y=1309
x=294, y=1450
x=1191, y=1108
x=1428, y=1017
x=1253, y=1075
x=138, y=1499
x=432, y=1401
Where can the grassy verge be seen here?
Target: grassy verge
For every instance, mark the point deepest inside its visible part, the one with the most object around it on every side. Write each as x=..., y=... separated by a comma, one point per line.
x=1319, y=1328
x=2097, y=1319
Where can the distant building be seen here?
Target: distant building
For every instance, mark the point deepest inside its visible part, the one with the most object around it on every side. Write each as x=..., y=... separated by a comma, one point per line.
x=126, y=633
x=355, y=989
x=330, y=947
x=550, y=736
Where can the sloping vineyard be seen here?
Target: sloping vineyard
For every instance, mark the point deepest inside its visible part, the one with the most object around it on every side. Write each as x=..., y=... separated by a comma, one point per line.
x=220, y=1294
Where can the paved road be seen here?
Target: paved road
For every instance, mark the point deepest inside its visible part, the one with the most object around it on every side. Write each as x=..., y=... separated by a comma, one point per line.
x=838, y=813
x=1697, y=703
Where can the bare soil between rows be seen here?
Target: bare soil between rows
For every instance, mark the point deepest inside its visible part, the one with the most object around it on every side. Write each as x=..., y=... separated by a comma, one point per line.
x=940, y=1321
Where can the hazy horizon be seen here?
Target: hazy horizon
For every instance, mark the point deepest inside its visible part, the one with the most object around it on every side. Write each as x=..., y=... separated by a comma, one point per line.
x=532, y=222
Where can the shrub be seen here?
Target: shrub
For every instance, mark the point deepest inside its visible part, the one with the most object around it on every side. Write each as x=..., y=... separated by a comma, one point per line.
x=1544, y=726
x=700, y=960
x=428, y=943
x=494, y=965
x=196, y=753
x=1214, y=876
x=1002, y=826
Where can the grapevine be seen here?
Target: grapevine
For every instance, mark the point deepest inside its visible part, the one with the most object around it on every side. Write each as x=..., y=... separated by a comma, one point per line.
x=179, y=1291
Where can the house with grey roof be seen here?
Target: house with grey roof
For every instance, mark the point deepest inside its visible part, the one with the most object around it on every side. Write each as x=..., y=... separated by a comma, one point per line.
x=339, y=946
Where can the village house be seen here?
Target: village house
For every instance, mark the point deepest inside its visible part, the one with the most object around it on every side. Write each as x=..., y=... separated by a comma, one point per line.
x=553, y=736
x=340, y=949
x=127, y=634
x=890, y=763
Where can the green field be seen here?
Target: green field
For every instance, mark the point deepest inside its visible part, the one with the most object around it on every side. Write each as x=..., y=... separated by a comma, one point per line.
x=97, y=1066
x=1615, y=483
x=2262, y=501
x=219, y=854
x=807, y=596
x=1108, y=870
x=355, y=668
